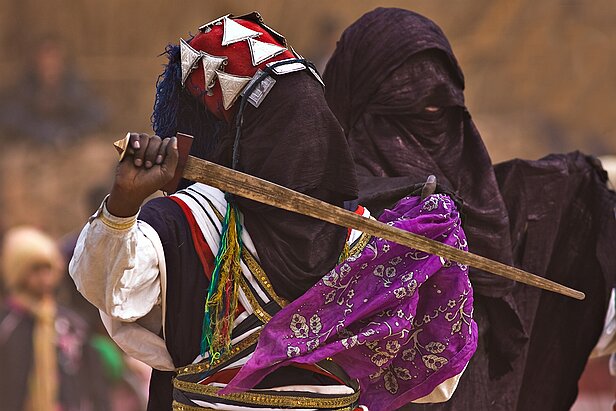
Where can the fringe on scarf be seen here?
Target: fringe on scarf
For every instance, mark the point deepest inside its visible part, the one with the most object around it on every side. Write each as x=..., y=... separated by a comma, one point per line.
x=222, y=297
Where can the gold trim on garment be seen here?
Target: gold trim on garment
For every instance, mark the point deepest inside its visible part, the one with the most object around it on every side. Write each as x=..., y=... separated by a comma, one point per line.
x=360, y=244
x=257, y=398
x=205, y=365
x=259, y=312
x=182, y=407
x=262, y=278
x=256, y=268
x=124, y=225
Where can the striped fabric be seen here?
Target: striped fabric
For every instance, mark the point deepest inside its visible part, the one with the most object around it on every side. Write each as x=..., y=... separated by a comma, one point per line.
x=323, y=386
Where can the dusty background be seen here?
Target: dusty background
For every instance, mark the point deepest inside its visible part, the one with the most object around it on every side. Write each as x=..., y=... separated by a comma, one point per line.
x=540, y=77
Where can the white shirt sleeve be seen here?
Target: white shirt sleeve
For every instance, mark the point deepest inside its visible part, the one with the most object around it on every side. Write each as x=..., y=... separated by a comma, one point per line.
x=119, y=266
x=115, y=266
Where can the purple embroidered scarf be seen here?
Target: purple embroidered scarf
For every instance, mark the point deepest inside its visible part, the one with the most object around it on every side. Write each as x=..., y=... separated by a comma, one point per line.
x=397, y=319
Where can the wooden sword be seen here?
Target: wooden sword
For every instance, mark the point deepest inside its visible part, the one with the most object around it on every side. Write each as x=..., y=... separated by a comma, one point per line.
x=254, y=188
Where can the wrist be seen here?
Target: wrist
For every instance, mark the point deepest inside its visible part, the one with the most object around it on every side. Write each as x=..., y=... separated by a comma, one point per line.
x=123, y=204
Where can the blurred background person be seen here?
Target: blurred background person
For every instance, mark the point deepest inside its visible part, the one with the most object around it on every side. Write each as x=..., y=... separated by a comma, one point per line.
x=50, y=103
x=45, y=356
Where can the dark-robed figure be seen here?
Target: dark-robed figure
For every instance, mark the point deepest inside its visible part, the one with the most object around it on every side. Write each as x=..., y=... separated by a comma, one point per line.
x=397, y=89
x=402, y=109
x=150, y=268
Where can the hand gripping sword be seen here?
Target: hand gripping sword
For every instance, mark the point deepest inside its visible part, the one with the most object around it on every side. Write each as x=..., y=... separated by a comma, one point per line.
x=254, y=188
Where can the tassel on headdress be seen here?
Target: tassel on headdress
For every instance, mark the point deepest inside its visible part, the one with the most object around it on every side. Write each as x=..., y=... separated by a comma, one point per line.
x=176, y=110
x=167, y=100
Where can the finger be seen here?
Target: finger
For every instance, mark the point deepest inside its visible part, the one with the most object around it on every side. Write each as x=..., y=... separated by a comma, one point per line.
x=429, y=187
x=133, y=144
x=162, y=151
x=151, y=151
x=140, y=152
x=170, y=163
x=134, y=141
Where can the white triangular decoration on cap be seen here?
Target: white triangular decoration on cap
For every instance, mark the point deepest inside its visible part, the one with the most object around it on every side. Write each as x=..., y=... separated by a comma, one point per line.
x=261, y=51
x=231, y=87
x=295, y=53
x=316, y=75
x=210, y=65
x=234, y=32
x=189, y=58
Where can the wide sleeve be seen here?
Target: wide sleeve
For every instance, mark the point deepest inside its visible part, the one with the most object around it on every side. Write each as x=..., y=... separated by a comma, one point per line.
x=115, y=266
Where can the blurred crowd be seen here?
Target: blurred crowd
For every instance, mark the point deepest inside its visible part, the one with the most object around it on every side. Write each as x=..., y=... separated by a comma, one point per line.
x=51, y=339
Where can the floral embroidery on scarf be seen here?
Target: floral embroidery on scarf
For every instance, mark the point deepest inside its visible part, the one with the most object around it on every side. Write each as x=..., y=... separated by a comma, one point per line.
x=391, y=316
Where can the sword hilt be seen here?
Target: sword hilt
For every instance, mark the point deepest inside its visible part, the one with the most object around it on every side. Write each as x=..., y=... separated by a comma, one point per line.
x=184, y=144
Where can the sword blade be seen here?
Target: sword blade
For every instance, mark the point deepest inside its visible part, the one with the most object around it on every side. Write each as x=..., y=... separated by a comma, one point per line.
x=254, y=188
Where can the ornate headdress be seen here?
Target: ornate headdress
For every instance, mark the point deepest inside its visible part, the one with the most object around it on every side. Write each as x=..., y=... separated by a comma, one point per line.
x=230, y=57
x=228, y=54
